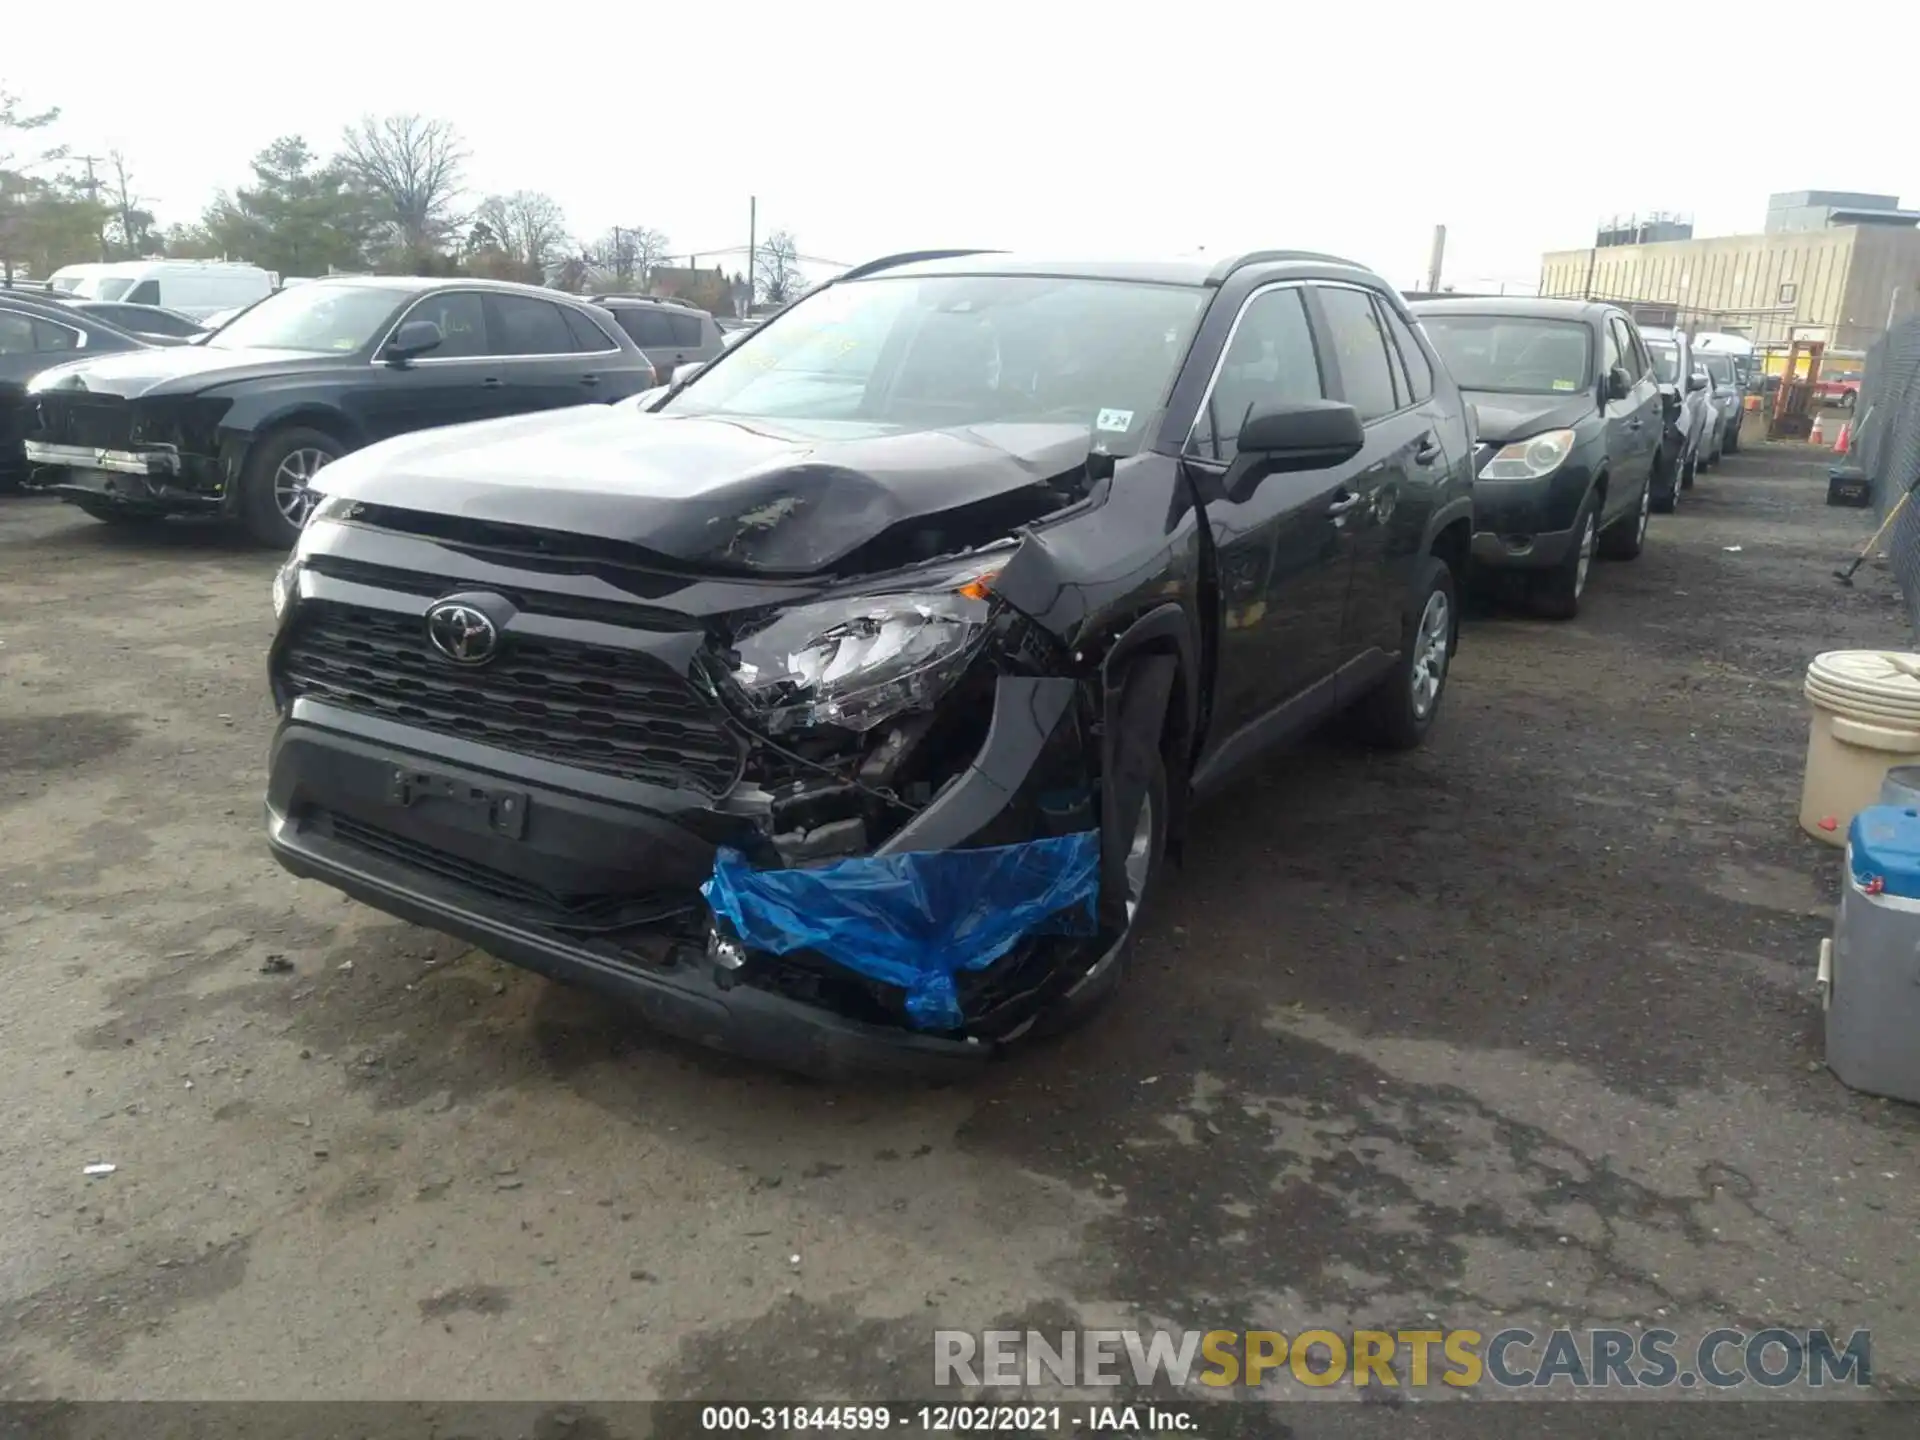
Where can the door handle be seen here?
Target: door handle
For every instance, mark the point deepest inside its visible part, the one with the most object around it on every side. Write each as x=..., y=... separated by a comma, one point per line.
x=1634, y=424
x=492, y=382
x=1428, y=452
x=589, y=379
x=1345, y=504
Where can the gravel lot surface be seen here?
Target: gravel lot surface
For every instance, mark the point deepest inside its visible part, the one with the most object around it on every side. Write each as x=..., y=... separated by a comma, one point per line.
x=1520, y=1028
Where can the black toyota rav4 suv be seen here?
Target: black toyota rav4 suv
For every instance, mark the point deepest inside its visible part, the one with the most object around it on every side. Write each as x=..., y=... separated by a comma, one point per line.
x=839, y=705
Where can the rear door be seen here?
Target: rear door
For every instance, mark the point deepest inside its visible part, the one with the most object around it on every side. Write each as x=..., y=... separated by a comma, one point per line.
x=1400, y=468
x=1647, y=416
x=1283, y=556
x=541, y=367
x=458, y=382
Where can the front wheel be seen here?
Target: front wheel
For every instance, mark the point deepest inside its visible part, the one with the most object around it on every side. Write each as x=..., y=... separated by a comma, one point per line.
x=276, y=484
x=1556, y=594
x=1625, y=538
x=1689, y=470
x=1146, y=849
x=1397, y=713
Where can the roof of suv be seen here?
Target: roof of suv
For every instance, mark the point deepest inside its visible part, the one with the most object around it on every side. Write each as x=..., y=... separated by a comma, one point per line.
x=1196, y=270
x=1520, y=306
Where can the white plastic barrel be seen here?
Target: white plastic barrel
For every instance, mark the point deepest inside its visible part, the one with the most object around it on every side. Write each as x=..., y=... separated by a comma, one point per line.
x=1866, y=720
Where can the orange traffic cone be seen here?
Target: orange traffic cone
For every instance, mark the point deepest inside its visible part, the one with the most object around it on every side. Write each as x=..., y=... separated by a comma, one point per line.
x=1819, y=436
x=1845, y=442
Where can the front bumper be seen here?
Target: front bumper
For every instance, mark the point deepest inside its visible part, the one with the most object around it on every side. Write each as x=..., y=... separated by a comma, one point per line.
x=1528, y=524
x=160, y=461
x=682, y=994
x=594, y=879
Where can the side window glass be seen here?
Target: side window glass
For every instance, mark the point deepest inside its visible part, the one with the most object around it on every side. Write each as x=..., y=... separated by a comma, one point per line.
x=587, y=335
x=1270, y=361
x=685, y=327
x=1623, y=342
x=48, y=337
x=1419, y=372
x=1610, y=355
x=147, y=292
x=16, y=334
x=517, y=325
x=1360, y=349
x=647, y=325
x=462, y=320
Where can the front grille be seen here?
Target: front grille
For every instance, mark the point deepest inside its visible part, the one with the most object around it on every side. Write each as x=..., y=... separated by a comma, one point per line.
x=586, y=914
x=618, y=712
x=102, y=424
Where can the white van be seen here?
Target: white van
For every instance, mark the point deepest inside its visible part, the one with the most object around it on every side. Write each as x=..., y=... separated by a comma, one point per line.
x=195, y=288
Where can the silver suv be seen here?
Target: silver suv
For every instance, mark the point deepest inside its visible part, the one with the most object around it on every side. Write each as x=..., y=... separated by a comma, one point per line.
x=671, y=332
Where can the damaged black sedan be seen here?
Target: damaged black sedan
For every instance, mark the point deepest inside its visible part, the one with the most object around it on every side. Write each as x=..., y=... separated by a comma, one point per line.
x=840, y=705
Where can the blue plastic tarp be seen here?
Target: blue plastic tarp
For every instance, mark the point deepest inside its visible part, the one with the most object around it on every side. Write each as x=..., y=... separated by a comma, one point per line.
x=915, y=920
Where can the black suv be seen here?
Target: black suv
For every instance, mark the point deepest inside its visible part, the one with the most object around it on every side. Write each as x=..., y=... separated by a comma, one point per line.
x=672, y=333
x=240, y=424
x=839, y=705
x=1568, y=418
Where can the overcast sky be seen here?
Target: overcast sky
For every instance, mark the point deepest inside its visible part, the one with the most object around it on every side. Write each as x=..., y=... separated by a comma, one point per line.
x=1116, y=129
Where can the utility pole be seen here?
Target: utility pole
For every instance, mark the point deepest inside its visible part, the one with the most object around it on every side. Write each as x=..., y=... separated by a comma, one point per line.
x=753, y=237
x=1438, y=255
x=93, y=196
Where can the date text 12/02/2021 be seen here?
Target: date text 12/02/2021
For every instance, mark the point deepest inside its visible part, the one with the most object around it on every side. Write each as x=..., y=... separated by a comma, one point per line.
x=950, y=1418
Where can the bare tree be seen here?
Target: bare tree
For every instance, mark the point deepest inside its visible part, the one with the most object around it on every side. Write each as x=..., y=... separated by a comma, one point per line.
x=528, y=225
x=627, y=254
x=412, y=167
x=776, y=269
x=130, y=225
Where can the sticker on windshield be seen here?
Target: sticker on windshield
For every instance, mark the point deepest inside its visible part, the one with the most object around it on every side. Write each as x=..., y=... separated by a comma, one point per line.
x=1565, y=385
x=1121, y=420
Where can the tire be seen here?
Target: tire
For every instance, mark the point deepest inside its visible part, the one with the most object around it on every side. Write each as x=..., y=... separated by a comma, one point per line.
x=1397, y=713
x=1104, y=978
x=1847, y=397
x=1689, y=470
x=1669, y=472
x=1626, y=537
x=1732, y=442
x=266, y=504
x=1557, y=594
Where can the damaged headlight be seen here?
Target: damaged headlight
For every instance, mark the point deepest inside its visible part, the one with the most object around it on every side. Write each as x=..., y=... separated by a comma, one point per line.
x=858, y=662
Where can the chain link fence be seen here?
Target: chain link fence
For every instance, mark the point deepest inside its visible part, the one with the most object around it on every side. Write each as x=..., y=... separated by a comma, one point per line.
x=1885, y=443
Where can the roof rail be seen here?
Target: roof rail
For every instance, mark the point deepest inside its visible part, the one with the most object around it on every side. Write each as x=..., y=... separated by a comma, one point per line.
x=1226, y=267
x=908, y=257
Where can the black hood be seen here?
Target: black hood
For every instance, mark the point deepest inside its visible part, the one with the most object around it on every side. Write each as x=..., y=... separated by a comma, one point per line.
x=181, y=370
x=1505, y=418
x=730, y=495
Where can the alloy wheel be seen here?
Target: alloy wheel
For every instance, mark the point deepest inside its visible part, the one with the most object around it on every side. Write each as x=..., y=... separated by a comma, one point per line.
x=1585, y=562
x=293, y=494
x=1431, y=643
x=1139, y=857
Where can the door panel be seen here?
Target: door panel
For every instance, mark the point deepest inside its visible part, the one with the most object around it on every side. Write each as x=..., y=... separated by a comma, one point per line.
x=535, y=348
x=1626, y=420
x=1282, y=555
x=454, y=384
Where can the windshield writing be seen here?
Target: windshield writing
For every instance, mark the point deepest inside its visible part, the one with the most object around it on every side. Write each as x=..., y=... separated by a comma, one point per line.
x=332, y=319
x=1511, y=354
x=955, y=351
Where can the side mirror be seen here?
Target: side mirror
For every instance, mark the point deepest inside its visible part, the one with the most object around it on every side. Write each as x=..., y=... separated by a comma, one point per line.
x=416, y=337
x=1696, y=382
x=1619, y=383
x=1310, y=435
x=683, y=373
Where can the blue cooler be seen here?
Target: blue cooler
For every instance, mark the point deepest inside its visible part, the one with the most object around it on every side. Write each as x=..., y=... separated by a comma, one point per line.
x=1871, y=968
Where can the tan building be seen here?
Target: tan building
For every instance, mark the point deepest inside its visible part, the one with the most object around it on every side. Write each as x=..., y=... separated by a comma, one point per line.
x=1838, y=284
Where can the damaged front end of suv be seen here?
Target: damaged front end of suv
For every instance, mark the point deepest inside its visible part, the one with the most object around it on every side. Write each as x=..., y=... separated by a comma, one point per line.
x=806, y=737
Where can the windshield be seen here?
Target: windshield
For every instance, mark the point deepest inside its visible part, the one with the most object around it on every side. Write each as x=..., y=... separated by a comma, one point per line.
x=95, y=287
x=1720, y=367
x=1513, y=354
x=952, y=351
x=1666, y=361
x=335, y=319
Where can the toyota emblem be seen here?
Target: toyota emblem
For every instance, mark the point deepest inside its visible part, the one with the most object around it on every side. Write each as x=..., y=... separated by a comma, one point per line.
x=461, y=633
